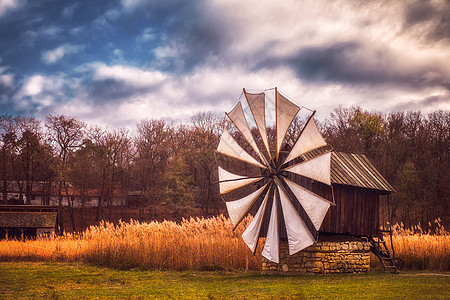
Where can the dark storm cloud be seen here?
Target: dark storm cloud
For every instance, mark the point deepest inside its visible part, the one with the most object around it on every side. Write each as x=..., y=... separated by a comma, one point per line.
x=187, y=29
x=353, y=63
x=200, y=41
x=418, y=11
x=114, y=90
x=5, y=89
x=442, y=27
x=333, y=63
x=436, y=16
x=423, y=104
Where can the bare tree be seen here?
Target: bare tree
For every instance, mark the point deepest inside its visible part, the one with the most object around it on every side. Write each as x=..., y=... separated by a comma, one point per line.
x=9, y=133
x=28, y=148
x=204, y=138
x=66, y=135
x=154, y=141
x=116, y=145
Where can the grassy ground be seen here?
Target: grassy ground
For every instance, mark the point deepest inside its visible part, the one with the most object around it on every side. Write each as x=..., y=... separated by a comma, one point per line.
x=25, y=280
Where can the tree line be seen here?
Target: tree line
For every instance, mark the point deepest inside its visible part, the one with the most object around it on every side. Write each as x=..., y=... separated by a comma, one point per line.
x=411, y=150
x=175, y=163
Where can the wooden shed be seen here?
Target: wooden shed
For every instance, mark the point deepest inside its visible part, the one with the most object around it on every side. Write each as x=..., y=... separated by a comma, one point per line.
x=356, y=190
x=350, y=229
x=27, y=221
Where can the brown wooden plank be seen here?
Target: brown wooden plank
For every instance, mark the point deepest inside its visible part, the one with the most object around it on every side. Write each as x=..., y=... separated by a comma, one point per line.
x=357, y=212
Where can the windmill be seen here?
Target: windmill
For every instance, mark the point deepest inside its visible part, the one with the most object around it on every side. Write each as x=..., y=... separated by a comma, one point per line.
x=284, y=209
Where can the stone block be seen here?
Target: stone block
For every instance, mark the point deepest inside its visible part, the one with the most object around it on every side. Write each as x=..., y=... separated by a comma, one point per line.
x=318, y=254
x=325, y=257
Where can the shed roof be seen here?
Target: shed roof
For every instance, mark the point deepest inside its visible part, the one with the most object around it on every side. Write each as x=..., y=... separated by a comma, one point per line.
x=354, y=170
x=28, y=219
x=357, y=170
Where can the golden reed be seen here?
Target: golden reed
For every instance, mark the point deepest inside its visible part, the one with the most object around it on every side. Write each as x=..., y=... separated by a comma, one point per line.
x=421, y=249
x=204, y=244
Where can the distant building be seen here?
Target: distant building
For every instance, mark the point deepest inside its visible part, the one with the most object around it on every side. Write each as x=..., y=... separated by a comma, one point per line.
x=45, y=193
x=27, y=221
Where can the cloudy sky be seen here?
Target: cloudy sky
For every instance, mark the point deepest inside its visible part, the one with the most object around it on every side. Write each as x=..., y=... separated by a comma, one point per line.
x=117, y=62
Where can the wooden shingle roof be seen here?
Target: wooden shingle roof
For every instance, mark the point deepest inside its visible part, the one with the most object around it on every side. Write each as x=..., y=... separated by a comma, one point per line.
x=25, y=216
x=357, y=170
x=353, y=170
x=28, y=219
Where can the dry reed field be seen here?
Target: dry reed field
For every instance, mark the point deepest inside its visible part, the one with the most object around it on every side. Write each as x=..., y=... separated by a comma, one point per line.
x=207, y=244
x=422, y=249
x=204, y=244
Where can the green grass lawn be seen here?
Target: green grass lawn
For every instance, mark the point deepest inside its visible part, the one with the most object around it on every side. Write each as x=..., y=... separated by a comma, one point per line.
x=24, y=280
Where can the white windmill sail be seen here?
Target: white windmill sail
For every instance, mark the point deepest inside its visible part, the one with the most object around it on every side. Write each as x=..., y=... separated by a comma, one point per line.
x=317, y=168
x=309, y=139
x=229, y=181
x=256, y=102
x=302, y=211
x=285, y=113
x=298, y=234
x=251, y=234
x=272, y=244
x=230, y=147
x=315, y=206
x=237, y=209
x=236, y=115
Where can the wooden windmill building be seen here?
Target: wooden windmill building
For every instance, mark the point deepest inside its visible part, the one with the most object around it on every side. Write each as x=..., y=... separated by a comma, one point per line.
x=351, y=228
x=357, y=187
x=297, y=191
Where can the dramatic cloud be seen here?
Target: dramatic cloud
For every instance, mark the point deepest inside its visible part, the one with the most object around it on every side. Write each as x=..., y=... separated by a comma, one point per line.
x=430, y=18
x=39, y=94
x=116, y=63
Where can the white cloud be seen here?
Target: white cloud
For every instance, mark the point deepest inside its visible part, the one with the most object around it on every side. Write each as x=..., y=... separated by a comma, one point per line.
x=32, y=86
x=6, y=80
x=6, y=85
x=130, y=4
x=148, y=35
x=39, y=92
x=8, y=5
x=118, y=56
x=171, y=97
x=132, y=76
x=50, y=31
x=47, y=32
x=69, y=10
x=53, y=56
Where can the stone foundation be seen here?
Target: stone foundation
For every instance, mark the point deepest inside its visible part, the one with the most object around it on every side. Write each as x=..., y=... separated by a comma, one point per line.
x=331, y=254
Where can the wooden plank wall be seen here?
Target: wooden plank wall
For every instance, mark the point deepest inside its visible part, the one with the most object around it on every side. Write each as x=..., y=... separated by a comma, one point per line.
x=356, y=211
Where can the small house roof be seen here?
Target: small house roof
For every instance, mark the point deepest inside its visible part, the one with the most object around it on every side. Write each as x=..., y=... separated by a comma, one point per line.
x=28, y=219
x=22, y=216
